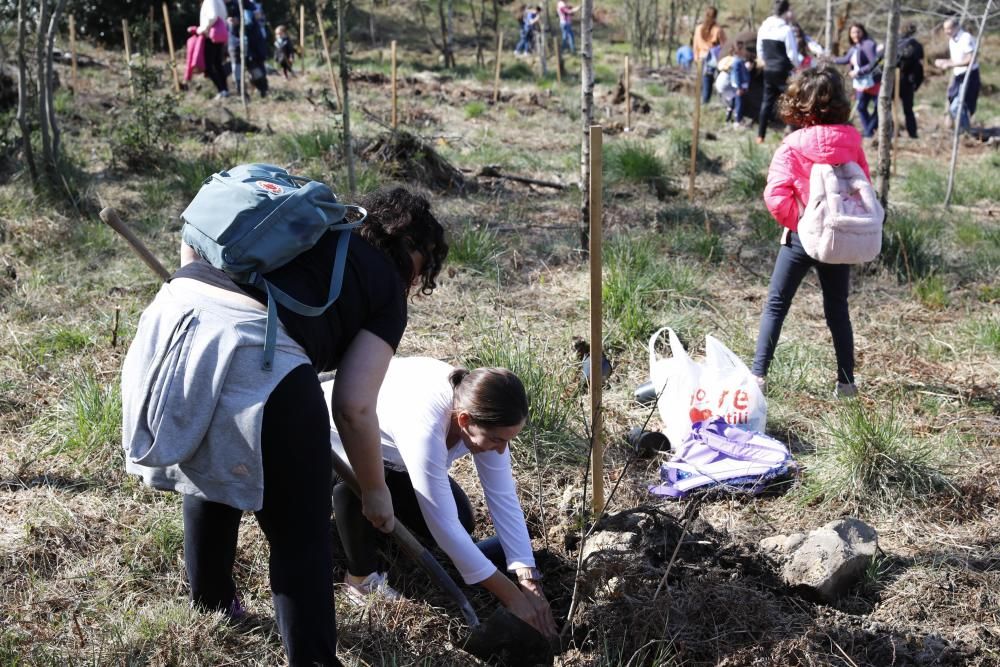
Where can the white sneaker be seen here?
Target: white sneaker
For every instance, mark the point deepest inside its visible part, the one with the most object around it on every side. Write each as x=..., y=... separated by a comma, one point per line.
x=374, y=584
x=845, y=390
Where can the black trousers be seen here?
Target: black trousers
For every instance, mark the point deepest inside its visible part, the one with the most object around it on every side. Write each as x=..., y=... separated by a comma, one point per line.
x=361, y=539
x=214, y=67
x=906, y=93
x=774, y=85
x=295, y=519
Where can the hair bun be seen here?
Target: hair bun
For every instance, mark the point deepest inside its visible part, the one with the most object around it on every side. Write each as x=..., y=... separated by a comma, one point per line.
x=456, y=376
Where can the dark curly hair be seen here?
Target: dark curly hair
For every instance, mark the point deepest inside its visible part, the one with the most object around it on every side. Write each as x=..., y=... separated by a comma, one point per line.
x=815, y=97
x=400, y=221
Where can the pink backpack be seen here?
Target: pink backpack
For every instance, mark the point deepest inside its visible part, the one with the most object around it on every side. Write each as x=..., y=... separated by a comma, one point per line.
x=842, y=222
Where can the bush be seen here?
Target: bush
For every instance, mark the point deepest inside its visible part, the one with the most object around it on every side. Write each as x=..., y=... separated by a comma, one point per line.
x=141, y=139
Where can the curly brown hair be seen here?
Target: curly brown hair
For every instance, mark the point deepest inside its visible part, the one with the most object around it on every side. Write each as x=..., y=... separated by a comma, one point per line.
x=400, y=221
x=815, y=97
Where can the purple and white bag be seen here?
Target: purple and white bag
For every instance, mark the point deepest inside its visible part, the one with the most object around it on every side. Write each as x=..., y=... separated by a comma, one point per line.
x=718, y=455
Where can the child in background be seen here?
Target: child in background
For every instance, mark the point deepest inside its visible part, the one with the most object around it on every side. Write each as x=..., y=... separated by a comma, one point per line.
x=817, y=102
x=284, y=52
x=733, y=83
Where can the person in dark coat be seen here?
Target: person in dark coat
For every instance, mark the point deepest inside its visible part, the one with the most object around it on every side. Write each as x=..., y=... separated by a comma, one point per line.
x=910, y=61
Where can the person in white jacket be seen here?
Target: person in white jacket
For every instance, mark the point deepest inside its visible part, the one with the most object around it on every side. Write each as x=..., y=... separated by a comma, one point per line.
x=431, y=414
x=215, y=51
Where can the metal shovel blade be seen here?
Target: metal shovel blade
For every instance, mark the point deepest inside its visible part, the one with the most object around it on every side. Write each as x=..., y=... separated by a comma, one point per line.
x=504, y=639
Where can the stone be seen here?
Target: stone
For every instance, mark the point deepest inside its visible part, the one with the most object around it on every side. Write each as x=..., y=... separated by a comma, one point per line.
x=609, y=544
x=828, y=561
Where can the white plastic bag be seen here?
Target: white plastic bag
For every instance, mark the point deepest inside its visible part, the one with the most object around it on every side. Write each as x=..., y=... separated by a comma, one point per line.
x=689, y=391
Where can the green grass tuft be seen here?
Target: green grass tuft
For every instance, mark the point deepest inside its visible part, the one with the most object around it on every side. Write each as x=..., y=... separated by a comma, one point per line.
x=868, y=459
x=474, y=247
x=932, y=292
x=87, y=426
x=474, y=109
x=636, y=162
x=749, y=175
x=908, y=245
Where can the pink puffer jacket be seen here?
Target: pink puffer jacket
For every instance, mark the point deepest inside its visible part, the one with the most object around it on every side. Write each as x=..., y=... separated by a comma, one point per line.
x=788, y=176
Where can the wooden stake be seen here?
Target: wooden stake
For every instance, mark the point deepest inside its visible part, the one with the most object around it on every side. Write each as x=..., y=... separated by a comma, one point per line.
x=628, y=97
x=302, y=35
x=896, y=130
x=559, y=66
x=496, y=75
x=329, y=62
x=128, y=57
x=392, y=56
x=170, y=45
x=72, y=50
x=696, y=128
x=596, y=333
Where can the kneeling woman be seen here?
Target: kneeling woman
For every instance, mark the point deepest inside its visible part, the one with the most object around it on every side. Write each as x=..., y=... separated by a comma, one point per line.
x=430, y=415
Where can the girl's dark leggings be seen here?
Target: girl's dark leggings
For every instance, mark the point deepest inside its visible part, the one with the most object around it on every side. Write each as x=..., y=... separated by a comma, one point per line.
x=295, y=519
x=215, y=69
x=361, y=539
x=834, y=279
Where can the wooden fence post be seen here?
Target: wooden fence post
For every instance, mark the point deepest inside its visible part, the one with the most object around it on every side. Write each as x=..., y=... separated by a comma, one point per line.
x=696, y=127
x=628, y=96
x=72, y=50
x=596, y=315
x=302, y=35
x=395, y=116
x=170, y=46
x=496, y=74
x=128, y=57
x=329, y=62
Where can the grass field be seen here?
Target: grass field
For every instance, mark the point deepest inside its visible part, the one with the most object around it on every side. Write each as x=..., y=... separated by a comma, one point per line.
x=91, y=561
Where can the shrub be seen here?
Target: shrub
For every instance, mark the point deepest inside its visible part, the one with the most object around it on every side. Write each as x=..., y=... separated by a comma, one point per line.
x=870, y=460
x=141, y=139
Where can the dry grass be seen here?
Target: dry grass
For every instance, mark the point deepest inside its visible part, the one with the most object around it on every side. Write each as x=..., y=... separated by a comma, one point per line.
x=90, y=561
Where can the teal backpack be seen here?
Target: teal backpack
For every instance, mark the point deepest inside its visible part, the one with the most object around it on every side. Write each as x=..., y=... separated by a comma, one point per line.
x=255, y=218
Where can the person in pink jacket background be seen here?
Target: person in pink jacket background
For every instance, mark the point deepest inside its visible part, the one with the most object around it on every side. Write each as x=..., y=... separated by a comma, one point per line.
x=817, y=102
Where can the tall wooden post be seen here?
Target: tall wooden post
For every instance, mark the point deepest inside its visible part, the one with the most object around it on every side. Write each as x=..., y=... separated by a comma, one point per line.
x=72, y=50
x=302, y=35
x=170, y=46
x=557, y=49
x=345, y=106
x=496, y=73
x=395, y=116
x=628, y=96
x=896, y=129
x=329, y=62
x=128, y=57
x=596, y=314
x=696, y=127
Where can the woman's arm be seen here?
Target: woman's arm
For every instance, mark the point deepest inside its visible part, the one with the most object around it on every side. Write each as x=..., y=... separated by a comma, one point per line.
x=526, y=602
x=846, y=58
x=779, y=193
x=355, y=395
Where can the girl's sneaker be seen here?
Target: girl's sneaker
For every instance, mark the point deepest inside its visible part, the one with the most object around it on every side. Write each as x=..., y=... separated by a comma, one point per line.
x=374, y=584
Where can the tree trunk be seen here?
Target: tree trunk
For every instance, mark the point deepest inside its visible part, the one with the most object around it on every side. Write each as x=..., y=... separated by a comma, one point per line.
x=23, y=94
x=49, y=82
x=671, y=36
x=586, y=115
x=961, y=105
x=444, y=17
x=344, y=77
x=828, y=27
x=43, y=114
x=885, y=98
x=543, y=32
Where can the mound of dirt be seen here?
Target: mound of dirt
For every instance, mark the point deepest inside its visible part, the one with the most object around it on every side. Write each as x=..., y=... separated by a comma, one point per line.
x=406, y=157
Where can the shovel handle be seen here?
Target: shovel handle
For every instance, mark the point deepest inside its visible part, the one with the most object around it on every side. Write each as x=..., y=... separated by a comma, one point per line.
x=413, y=548
x=110, y=217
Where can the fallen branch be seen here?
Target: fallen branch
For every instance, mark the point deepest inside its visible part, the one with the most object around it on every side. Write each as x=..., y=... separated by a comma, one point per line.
x=491, y=171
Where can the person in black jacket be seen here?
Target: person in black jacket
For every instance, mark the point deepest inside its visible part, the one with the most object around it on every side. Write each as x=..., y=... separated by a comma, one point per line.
x=911, y=74
x=778, y=48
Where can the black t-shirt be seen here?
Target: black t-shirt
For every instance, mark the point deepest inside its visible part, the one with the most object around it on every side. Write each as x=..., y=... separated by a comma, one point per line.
x=373, y=297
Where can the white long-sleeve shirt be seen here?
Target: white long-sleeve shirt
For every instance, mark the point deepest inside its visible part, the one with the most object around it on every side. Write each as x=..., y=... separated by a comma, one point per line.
x=414, y=413
x=211, y=10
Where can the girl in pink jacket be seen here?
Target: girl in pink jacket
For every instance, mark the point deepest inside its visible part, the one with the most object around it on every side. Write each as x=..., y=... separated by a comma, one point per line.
x=817, y=102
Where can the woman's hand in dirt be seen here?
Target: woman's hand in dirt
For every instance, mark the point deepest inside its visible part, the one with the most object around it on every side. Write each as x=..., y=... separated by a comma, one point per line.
x=523, y=607
x=543, y=612
x=376, y=505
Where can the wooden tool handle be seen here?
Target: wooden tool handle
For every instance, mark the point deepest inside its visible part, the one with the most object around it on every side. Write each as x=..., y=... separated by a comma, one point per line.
x=110, y=217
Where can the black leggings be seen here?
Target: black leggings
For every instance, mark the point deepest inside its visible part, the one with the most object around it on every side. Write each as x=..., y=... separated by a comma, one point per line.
x=360, y=538
x=215, y=69
x=774, y=85
x=295, y=519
